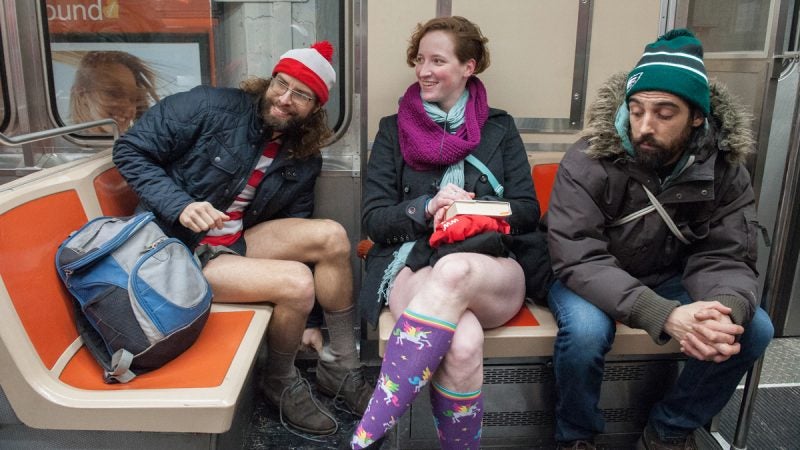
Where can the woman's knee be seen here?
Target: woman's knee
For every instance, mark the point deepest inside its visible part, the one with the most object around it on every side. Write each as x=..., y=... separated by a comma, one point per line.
x=466, y=350
x=453, y=273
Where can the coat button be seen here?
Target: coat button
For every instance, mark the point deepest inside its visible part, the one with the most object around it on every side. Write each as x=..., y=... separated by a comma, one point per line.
x=704, y=192
x=484, y=178
x=406, y=189
x=411, y=210
x=679, y=196
x=217, y=159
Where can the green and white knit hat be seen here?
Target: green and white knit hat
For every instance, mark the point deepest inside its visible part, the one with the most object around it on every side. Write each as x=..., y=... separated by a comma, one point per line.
x=674, y=64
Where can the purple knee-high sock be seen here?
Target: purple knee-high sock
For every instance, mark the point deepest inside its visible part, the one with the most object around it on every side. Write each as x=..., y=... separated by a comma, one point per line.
x=414, y=351
x=457, y=417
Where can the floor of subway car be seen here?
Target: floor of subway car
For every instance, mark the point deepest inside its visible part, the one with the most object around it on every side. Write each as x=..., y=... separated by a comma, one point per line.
x=773, y=425
x=266, y=431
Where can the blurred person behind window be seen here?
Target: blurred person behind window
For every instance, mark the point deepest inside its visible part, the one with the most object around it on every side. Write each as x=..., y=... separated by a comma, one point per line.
x=111, y=84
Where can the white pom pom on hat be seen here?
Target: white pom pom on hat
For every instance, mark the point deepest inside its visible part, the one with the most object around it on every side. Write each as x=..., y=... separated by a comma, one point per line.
x=311, y=66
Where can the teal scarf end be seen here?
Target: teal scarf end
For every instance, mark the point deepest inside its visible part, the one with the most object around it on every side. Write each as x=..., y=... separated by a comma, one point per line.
x=622, y=123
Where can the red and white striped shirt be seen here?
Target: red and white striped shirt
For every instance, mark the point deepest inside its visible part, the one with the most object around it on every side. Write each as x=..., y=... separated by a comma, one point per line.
x=232, y=229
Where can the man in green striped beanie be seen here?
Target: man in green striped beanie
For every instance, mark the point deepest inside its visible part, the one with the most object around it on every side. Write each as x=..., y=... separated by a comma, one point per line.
x=670, y=66
x=651, y=224
x=674, y=64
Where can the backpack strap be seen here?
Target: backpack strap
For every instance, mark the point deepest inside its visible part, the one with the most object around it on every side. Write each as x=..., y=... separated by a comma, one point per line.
x=478, y=164
x=120, y=367
x=655, y=205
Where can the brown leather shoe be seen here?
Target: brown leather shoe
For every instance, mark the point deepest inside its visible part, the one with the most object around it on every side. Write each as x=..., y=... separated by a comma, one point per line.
x=298, y=407
x=346, y=386
x=649, y=440
x=577, y=445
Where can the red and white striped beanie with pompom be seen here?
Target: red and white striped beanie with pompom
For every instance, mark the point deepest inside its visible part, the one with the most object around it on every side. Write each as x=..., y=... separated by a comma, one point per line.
x=311, y=66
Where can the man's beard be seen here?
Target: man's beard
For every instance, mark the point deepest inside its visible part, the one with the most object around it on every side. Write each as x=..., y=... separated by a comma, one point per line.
x=292, y=125
x=662, y=154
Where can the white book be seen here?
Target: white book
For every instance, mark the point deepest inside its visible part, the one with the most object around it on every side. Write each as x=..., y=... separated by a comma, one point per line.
x=478, y=207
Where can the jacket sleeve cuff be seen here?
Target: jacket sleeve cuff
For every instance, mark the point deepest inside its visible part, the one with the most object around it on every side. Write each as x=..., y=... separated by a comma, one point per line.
x=416, y=210
x=739, y=310
x=650, y=313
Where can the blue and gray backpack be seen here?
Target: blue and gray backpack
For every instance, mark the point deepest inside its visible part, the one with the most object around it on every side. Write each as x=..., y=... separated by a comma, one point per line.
x=140, y=297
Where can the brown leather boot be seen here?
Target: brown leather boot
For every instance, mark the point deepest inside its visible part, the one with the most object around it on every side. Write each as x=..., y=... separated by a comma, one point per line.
x=347, y=386
x=297, y=405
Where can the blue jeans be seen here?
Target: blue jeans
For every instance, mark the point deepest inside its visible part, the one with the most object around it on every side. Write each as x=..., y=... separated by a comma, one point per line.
x=585, y=335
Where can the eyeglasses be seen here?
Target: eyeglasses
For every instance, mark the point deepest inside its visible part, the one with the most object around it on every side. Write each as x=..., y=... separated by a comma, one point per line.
x=280, y=87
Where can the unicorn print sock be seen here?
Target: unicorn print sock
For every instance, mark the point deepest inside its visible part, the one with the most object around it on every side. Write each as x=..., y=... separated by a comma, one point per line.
x=457, y=417
x=416, y=347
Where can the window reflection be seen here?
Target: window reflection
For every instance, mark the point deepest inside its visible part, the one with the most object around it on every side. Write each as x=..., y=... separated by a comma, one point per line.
x=730, y=25
x=116, y=58
x=111, y=84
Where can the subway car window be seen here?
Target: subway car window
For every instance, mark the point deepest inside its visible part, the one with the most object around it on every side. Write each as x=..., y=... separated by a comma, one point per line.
x=730, y=25
x=116, y=58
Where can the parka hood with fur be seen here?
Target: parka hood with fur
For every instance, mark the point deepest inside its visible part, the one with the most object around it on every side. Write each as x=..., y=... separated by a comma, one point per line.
x=733, y=135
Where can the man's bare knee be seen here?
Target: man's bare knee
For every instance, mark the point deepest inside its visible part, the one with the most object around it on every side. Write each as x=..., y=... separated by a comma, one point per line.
x=300, y=289
x=335, y=242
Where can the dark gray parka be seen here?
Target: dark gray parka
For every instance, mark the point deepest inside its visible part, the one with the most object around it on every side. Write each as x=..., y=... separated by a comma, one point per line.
x=711, y=202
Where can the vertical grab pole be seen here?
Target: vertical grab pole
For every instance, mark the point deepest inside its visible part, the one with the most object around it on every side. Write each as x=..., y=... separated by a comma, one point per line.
x=746, y=408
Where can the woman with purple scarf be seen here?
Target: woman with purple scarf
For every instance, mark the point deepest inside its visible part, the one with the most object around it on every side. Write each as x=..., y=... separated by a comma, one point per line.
x=444, y=144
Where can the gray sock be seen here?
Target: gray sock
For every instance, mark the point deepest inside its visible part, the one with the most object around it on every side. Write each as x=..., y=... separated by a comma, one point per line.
x=280, y=366
x=340, y=329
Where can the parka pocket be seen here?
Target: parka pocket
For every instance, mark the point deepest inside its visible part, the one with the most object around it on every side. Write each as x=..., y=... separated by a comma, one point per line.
x=224, y=158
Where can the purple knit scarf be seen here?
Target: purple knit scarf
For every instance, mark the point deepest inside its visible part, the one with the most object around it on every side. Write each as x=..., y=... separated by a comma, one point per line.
x=423, y=142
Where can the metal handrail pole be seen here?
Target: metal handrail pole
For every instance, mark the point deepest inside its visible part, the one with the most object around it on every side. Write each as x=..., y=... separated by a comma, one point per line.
x=746, y=408
x=55, y=132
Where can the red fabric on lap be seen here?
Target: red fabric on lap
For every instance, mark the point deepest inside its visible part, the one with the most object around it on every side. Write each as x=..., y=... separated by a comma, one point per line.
x=463, y=226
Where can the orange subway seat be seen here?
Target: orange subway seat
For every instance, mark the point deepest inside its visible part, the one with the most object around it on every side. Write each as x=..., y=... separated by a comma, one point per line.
x=544, y=176
x=207, y=360
x=524, y=318
x=116, y=198
x=45, y=307
x=29, y=237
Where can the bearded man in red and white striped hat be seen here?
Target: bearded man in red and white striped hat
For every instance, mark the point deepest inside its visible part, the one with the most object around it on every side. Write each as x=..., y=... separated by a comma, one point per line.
x=231, y=173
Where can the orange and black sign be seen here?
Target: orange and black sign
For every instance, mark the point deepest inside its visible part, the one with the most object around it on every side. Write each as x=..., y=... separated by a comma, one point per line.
x=128, y=16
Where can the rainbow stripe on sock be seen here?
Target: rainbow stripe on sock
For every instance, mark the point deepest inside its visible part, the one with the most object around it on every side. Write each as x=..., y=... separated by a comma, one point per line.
x=459, y=396
x=430, y=321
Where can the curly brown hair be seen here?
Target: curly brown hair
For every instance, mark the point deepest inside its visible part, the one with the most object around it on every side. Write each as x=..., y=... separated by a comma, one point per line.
x=309, y=136
x=469, y=42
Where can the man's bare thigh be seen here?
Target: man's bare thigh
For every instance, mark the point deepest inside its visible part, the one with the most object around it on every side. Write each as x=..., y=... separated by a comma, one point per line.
x=236, y=278
x=289, y=239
